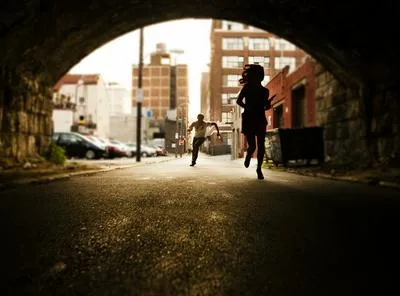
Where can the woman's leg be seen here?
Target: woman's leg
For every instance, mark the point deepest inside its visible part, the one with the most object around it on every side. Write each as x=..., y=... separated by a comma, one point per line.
x=260, y=154
x=251, y=142
x=260, y=149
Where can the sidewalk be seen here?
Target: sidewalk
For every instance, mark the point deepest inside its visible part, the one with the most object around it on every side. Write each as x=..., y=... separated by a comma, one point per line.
x=389, y=177
x=42, y=172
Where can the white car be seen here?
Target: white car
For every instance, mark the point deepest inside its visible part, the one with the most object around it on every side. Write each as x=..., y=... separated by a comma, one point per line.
x=145, y=151
x=123, y=147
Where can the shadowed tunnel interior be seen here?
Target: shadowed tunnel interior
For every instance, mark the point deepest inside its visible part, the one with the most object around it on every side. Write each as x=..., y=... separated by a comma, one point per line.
x=48, y=38
x=41, y=40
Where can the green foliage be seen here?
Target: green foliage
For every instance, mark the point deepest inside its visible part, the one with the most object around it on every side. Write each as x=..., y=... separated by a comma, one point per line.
x=56, y=154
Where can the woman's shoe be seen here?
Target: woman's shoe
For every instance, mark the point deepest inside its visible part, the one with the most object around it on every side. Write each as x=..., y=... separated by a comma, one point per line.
x=247, y=161
x=260, y=175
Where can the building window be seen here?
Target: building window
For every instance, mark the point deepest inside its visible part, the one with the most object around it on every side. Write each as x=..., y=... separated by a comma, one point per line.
x=282, y=44
x=258, y=44
x=227, y=117
x=228, y=98
x=281, y=62
x=231, y=26
x=232, y=43
x=232, y=62
x=263, y=61
x=165, y=61
x=231, y=80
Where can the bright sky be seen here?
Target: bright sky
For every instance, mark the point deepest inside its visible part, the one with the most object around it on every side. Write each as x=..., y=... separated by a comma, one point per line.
x=114, y=60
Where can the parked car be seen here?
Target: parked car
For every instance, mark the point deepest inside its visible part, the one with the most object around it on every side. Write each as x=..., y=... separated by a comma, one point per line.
x=77, y=145
x=145, y=150
x=125, y=149
x=113, y=150
x=160, y=151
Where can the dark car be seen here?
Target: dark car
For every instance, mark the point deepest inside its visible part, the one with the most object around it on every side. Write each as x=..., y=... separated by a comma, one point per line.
x=79, y=146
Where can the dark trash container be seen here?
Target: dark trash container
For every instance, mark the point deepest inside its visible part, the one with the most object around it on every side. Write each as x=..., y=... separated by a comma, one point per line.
x=283, y=145
x=219, y=149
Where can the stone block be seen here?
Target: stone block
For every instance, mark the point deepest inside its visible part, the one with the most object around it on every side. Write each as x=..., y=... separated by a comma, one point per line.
x=330, y=133
x=31, y=146
x=395, y=128
x=14, y=144
x=10, y=122
x=374, y=125
x=21, y=147
x=22, y=122
x=321, y=118
x=338, y=98
x=28, y=103
x=48, y=126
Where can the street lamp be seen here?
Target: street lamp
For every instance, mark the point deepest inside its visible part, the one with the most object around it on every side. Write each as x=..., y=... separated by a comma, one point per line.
x=139, y=97
x=179, y=129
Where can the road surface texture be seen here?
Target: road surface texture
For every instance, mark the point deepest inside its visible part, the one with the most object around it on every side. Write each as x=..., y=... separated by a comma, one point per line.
x=213, y=229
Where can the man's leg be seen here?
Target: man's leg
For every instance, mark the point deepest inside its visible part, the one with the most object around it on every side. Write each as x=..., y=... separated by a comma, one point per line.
x=195, y=151
x=196, y=145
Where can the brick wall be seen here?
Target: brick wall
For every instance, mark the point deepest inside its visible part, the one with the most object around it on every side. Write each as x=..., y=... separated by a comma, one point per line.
x=281, y=86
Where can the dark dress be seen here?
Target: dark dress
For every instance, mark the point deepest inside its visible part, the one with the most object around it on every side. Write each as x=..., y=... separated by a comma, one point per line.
x=256, y=102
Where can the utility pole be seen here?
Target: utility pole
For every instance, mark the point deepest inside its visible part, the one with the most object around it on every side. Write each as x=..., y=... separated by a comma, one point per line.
x=139, y=98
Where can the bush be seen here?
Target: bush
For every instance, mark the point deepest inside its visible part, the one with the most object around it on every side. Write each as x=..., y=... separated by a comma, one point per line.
x=56, y=154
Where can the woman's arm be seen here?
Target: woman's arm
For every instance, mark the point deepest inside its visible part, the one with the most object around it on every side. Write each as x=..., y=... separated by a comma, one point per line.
x=267, y=101
x=240, y=98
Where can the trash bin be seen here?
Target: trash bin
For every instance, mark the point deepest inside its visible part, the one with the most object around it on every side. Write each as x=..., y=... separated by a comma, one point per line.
x=283, y=145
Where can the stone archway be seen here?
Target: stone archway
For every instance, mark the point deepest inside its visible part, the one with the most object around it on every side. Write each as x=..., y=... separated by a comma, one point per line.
x=41, y=40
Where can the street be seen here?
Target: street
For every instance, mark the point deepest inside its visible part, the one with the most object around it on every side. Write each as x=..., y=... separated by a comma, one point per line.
x=166, y=228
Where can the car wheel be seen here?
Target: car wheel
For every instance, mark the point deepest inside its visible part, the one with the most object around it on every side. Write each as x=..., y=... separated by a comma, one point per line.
x=90, y=154
x=144, y=154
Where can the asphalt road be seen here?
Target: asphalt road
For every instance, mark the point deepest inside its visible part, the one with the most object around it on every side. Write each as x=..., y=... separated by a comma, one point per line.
x=214, y=229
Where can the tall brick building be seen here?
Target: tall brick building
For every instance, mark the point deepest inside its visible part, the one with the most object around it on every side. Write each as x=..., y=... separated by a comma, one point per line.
x=205, y=94
x=232, y=46
x=165, y=86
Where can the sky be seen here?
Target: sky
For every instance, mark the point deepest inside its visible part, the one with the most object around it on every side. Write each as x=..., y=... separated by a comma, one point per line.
x=114, y=59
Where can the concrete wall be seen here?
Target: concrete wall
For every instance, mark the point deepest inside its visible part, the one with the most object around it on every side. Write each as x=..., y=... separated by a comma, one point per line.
x=123, y=128
x=62, y=120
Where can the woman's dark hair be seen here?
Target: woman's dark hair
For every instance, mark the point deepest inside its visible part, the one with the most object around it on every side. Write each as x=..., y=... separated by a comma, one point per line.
x=253, y=73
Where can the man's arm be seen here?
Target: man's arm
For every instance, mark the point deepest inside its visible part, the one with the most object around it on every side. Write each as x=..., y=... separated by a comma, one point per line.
x=216, y=126
x=191, y=127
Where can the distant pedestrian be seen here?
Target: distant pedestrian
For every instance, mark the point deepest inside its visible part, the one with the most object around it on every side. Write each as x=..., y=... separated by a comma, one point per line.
x=200, y=128
x=255, y=104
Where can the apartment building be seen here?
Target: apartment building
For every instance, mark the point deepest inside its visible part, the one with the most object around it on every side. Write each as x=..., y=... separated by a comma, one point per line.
x=232, y=46
x=165, y=87
x=120, y=101
x=205, y=95
x=82, y=99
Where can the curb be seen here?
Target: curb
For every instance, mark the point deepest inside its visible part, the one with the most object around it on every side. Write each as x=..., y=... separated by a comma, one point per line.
x=65, y=176
x=348, y=179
